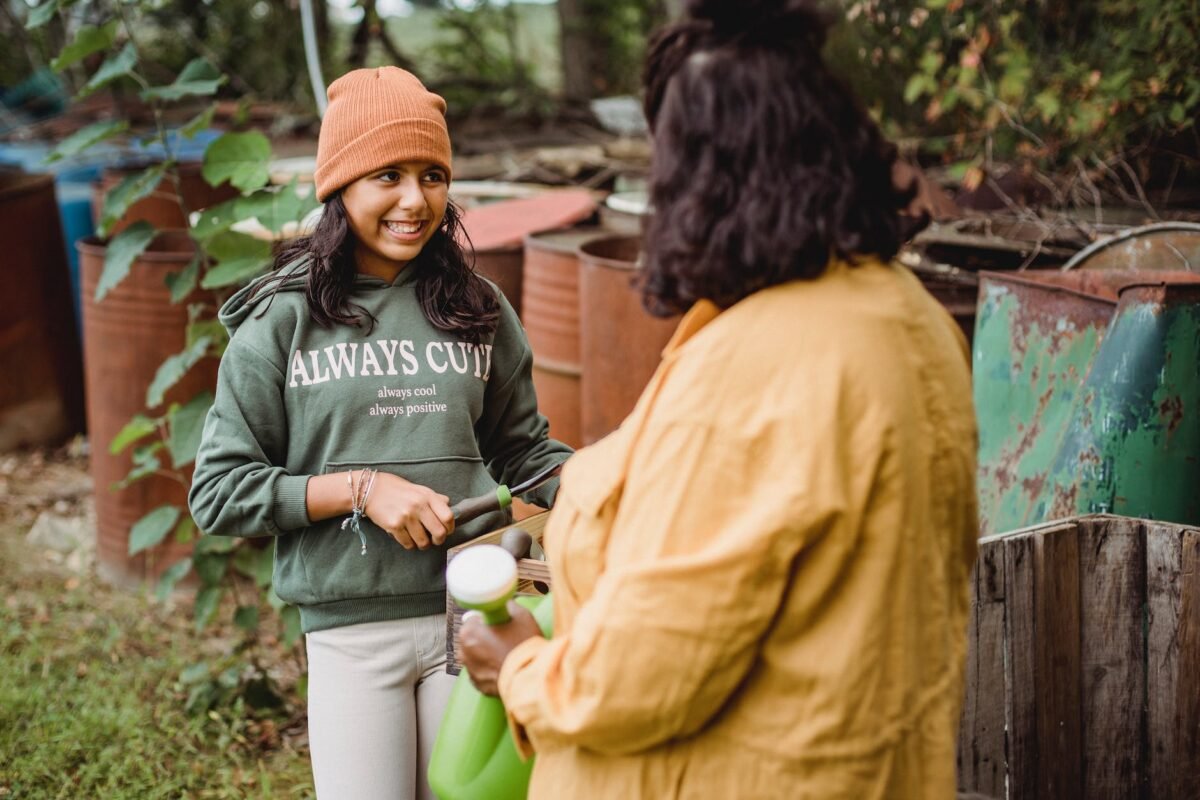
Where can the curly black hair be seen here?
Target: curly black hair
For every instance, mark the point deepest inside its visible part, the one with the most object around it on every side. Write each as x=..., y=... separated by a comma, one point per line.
x=452, y=296
x=765, y=164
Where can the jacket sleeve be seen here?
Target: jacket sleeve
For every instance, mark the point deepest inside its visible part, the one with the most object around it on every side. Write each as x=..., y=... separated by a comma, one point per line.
x=239, y=487
x=513, y=437
x=713, y=526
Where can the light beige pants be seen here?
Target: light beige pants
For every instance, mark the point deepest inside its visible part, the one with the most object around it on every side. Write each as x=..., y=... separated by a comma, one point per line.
x=376, y=693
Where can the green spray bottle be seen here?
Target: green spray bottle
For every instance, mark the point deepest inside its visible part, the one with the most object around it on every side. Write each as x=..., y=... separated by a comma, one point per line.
x=474, y=757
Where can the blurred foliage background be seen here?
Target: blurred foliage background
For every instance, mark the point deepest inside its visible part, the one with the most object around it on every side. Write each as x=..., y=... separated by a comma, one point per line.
x=1101, y=84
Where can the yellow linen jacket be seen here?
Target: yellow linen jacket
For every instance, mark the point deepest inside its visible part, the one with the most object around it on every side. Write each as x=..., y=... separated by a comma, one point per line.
x=760, y=579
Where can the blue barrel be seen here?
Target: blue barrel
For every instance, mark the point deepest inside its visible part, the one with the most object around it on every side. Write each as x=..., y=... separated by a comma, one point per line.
x=73, y=187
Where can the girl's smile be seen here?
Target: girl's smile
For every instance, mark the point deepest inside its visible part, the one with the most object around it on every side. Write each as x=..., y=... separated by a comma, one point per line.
x=393, y=213
x=406, y=231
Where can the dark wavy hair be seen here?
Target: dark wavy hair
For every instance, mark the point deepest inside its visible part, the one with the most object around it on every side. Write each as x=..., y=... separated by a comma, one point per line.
x=453, y=298
x=765, y=164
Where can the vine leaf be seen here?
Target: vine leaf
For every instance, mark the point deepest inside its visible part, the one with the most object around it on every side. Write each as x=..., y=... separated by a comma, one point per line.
x=122, y=251
x=151, y=529
x=84, y=138
x=88, y=40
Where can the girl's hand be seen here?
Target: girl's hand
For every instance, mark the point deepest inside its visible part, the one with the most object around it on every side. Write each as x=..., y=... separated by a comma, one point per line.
x=415, y=516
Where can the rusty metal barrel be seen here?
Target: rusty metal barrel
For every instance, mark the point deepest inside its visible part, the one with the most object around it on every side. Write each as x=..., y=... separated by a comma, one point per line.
x=41, y=402
x=551, y=315
x=127, y=335
x=1086, y=387
x=620, y=343
x=504, y=267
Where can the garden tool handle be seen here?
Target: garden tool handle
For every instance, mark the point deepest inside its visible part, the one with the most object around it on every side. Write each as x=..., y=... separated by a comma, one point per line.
x=472, y=507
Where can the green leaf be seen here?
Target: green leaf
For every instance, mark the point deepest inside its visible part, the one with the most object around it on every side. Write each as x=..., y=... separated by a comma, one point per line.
x=173, y=575
x=216, y=544
x=84, y=138
x=145, y=464
x=918, y=84
x=230, y=678
x=246, y=618
x=198, y=122
x=207, y=601
x=131, y=189
x=239, y=158
x=116, y=66
x=88, y=40
x=195, y=673
x=215, y=219
x=277, y=209
x=202, y=697
x=276, y=603
x=239, y=258
x=151, y=529
x=931, y=62
x=199, y=69
x=256, y=563
x=174, y=368
x=185, y=531
x=183, y=282
x=212, y=328
x=291, y=626
x=1177, y=114
x=1047, y=104
x=211, y=567
x=198, y=79
x=41, y=15
x=138, y=427
x=187, y=424
x=122, y=251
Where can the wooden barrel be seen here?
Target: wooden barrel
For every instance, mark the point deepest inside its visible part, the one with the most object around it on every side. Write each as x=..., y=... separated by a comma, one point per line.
x=161, y=208
x=127, y=335
x=41, y=402
x=503, y=267
x=620, y=343
x=551, y=316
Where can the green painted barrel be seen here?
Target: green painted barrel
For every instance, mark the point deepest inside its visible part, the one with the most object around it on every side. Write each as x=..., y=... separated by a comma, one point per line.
x=1087, y=388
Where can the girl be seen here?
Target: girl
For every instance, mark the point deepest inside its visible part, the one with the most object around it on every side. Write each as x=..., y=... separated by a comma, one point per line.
x=369, y=382
x=760, y=580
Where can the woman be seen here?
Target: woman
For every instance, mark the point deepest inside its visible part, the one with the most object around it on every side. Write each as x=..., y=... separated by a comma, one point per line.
x=369, y=382
x=760, y=580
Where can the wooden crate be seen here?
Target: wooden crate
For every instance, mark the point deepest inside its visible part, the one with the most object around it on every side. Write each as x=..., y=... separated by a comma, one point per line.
x=1083, y=672
x=529, y=571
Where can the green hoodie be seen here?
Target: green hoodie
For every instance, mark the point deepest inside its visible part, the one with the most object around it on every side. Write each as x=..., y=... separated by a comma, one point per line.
x=295, y=399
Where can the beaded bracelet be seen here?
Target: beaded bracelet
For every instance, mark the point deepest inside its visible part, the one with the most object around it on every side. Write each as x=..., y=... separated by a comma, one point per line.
x=360, y=489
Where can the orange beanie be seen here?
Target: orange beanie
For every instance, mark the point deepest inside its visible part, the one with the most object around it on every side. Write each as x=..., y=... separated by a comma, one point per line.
x=378, y=117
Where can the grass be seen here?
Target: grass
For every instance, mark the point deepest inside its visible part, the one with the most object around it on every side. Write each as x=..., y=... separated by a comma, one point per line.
x=92, y=695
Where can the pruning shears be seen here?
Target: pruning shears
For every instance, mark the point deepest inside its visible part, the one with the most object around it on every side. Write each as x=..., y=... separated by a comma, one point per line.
x=472, y=507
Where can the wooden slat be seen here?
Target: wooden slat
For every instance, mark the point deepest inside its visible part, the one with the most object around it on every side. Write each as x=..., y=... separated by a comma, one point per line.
x=981, y=754
x=1057, y=664
x=1112, y=592
x=1019, y=678
x=1162, y=643
x=966, y=721
x=1187, y=687
x=528, y=571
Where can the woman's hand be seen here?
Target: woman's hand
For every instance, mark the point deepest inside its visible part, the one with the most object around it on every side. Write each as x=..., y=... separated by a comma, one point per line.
x=415, y=516
x=484, y=647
